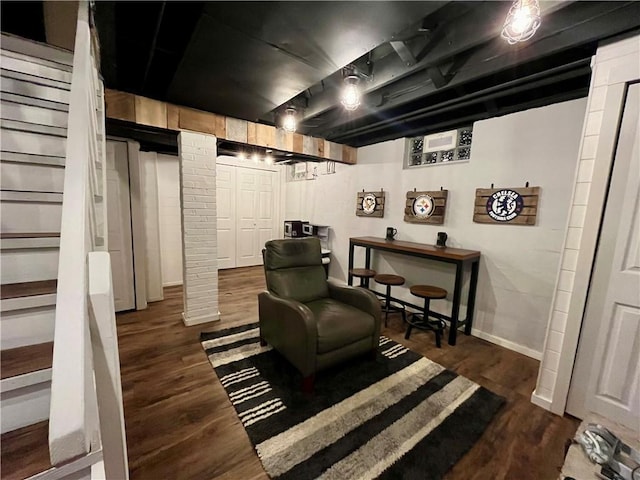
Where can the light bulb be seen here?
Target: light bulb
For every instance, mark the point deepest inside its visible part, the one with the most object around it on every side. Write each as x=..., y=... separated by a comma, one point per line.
x=255, y=157
x=351, y=94
x=522, y=21
x=242, y=156
x=268, y=160
x=289, y=123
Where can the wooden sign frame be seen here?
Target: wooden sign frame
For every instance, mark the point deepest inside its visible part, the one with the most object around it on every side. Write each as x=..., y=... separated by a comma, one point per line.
x=507, y=205
x=370, y=204
x=432, y=204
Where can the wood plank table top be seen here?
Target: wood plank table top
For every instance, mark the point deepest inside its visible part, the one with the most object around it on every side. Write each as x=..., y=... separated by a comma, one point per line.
x=414, y=248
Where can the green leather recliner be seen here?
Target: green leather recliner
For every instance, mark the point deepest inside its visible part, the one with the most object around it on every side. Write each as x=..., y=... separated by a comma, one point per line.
x=312, y=322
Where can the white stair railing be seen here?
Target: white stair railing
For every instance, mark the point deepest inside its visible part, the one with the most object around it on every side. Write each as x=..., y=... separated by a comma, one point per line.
x=86, y=423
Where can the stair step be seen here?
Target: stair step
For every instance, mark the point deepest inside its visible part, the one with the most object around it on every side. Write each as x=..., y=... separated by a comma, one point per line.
x=28, y=289
x=27, y=326
x=35, y=115
x=35, y=52
x=36, y=102
x=23, y=265
x=23, y=177
x=29, y=240
x=23, y=360
x=25, y=451
x=33, y=143
x=4, y=236
x=12, y=68
x=39, y=197
x=30, y=158
x=34, y=90
x=33, y=128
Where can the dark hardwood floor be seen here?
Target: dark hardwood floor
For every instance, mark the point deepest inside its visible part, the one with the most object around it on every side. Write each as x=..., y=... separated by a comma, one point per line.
x=181, y=425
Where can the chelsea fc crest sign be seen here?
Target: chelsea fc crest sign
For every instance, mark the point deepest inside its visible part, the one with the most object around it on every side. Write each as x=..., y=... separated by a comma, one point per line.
x=507, y=205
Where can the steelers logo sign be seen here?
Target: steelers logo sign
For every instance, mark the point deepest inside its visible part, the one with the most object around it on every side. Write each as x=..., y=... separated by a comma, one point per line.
x=369, y=203
x=504, y=205
x=423, y=206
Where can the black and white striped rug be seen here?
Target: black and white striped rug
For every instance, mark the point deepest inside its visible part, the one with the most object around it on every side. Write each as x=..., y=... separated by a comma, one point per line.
x=400, y=416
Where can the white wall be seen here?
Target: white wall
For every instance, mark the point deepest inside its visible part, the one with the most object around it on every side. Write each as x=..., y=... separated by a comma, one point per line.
x=519, y=264
x=168, y=172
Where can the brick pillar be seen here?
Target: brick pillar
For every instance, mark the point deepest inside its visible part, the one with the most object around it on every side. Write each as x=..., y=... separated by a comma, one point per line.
x=199, y=227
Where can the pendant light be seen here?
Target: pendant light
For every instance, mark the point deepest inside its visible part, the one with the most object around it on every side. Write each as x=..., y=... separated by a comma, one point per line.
x=350, y=98
x=289, y=122
x=522, y=21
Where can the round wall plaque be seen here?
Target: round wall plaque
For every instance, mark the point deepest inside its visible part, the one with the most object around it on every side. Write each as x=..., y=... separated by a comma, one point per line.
x=423, y=206
x=369, y=203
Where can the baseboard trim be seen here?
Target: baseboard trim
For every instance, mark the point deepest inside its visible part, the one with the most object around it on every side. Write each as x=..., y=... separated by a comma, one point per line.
x=516, y=347
x=540, y=401
x=190, y=321
x=172, y=284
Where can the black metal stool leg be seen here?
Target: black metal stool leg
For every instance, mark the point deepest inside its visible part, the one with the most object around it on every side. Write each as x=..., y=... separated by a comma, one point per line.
x=407, y=334
x=387, y=304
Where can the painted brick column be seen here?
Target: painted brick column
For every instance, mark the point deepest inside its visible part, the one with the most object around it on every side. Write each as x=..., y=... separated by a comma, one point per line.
x=199, y=227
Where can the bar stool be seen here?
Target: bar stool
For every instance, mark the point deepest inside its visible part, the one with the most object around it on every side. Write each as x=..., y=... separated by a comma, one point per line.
x=428, y=292
x=364, y=274
x=389, y=280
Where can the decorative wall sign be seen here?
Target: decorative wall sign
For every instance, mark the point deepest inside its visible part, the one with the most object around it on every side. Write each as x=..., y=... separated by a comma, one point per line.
x=513, y=205
x=426, y=207
x=370, y=204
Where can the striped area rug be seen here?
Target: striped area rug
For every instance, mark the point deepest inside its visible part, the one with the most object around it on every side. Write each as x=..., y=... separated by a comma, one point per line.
x=400, y=416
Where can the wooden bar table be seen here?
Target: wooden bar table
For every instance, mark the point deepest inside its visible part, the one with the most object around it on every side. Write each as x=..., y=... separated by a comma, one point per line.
x=457, y=256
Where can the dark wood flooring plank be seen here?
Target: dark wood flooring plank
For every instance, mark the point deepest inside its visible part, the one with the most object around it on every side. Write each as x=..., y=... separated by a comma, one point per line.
x=180, y=423
x=25, y=451
x=27, y=289
x=17, y=361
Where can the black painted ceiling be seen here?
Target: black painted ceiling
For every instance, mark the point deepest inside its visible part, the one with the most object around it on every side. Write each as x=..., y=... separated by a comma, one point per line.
x=426, y=66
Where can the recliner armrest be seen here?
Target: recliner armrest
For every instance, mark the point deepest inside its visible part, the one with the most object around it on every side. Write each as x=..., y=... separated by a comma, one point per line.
x=358, y=297
x=290, y=327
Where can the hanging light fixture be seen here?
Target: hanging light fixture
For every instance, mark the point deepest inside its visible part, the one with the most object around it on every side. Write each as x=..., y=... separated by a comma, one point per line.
x=351, y=94
x=289, y=122
x=522, y=21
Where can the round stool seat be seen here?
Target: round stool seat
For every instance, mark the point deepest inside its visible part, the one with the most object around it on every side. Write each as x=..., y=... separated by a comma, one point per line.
x=362, y=272
x=428, y=291
x=389, y=279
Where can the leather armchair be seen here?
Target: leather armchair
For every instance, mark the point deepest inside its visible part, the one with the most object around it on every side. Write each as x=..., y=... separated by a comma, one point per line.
x=314, y=323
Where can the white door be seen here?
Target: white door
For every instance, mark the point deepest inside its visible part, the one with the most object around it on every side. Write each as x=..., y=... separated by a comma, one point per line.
x=247, y=214
x=255, y=212
x=226, y=206
x=607, y=369
x=119, y=224
x=266, y=209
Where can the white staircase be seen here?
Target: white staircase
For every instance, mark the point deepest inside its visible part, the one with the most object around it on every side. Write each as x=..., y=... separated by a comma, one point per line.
x=61, y=396
x=34, y=97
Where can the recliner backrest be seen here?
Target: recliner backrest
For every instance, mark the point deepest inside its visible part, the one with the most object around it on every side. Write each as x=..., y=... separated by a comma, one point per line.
x=293, y=269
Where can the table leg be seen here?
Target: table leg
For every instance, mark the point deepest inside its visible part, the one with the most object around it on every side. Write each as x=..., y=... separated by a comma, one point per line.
x=457, y=294
x=471, y=302
x=350, y=277
x=367, y=264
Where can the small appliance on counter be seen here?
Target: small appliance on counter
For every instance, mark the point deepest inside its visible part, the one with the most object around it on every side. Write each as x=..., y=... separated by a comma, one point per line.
x=294, y=228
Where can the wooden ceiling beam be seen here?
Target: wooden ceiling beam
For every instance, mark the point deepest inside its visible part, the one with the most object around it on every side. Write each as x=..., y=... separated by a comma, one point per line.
x=154, y=113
